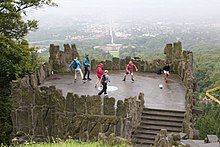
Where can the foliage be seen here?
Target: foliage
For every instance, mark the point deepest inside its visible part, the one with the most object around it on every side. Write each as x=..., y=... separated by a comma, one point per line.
x=206, y=70
x=208, y=123
x=16, y=61
x=15, y=58
x=69, y=143
x=11, y=23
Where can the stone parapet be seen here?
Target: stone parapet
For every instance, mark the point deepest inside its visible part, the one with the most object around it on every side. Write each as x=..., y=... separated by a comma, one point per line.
x=42, y=113
x=59, y=60
x=182, y=64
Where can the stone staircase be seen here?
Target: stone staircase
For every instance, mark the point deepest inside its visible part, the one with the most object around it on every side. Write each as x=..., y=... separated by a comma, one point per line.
x=152, y=121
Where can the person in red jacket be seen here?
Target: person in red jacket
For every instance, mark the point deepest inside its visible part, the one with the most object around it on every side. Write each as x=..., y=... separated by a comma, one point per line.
x=129, y=70
x=99, y=73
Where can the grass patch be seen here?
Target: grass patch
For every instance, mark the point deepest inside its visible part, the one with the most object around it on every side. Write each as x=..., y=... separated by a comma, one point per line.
x=114, y=53
x=67, y=143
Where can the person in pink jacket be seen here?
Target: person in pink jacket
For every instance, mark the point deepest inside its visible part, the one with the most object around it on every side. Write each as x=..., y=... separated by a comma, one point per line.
x=99, y=73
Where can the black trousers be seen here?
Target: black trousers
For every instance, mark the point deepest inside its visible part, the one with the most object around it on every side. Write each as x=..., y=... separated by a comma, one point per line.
x=104, y=89
x=86, y=72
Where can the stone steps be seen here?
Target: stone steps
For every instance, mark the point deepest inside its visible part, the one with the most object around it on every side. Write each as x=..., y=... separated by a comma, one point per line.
x=152, y=121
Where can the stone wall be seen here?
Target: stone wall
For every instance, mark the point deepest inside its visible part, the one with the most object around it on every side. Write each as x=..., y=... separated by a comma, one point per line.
x=42, y=112
x=39, y=113
x=59, y=60
x=120, y=64
x=182, y=64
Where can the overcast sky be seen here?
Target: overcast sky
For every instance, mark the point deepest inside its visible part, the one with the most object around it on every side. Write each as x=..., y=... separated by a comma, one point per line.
x=153, y=9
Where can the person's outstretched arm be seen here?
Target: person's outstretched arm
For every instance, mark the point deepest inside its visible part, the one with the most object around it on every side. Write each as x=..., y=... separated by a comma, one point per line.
x=135, y=67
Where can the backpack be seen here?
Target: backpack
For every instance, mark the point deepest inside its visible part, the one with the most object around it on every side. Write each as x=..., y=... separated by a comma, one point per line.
x=103, y=81
x=74, y=65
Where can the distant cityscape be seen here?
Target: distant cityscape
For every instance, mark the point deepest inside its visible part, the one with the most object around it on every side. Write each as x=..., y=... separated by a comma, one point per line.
x=113, y=35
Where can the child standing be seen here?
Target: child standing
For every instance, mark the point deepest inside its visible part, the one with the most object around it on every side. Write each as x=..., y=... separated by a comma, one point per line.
x=86, y=66
x=166, y=70
x=104, y=80
x=129, y=70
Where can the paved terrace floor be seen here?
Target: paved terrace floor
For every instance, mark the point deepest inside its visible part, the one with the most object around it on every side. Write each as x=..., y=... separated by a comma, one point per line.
x=171, y=97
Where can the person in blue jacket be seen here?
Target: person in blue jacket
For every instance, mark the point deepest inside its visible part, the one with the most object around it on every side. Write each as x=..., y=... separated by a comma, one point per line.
x=77, y=67
x=86, y=66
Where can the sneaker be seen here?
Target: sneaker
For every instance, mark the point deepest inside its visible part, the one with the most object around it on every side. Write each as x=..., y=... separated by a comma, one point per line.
x=95, y=86
x=132, y=80
x=106, y=94
x=84, y=79
x=123, y=80
x=74, y=80
x=89, y=79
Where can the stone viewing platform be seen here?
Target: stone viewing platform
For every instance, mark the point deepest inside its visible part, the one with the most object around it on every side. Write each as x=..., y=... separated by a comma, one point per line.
x=171, y=97
x=48, y=103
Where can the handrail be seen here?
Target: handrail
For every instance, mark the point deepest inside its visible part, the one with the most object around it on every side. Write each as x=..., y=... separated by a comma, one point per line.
x=211, y=96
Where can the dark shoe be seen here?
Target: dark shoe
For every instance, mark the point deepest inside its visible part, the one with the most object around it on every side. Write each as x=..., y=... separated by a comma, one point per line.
x=123, y=80
x=95, y=86
x=84, y=78
x=89, y=79
x=132, y=80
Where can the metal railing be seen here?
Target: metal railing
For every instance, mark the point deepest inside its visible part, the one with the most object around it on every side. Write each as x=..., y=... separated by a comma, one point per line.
x=211, y=96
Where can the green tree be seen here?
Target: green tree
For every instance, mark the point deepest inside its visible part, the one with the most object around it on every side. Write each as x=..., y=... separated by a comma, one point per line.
x=15, y=53
x=208, y=122
x=11, y=11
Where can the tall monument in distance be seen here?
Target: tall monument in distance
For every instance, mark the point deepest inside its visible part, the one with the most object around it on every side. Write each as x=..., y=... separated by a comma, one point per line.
x=112, y=47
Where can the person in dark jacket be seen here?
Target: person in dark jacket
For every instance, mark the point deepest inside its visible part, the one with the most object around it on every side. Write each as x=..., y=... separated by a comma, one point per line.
x=166, y=71
x=99, y=73
x=129, y=70
x=104, y=80
x=86, y=66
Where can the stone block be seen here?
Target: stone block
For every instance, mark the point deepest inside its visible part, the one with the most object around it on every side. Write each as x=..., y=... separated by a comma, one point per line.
x=122, y=64
x=177, y=50
x=60, y=125
x=70, y=103
x=127, y=59
x=110, y=129
x=37, y=121
x=83, y=129
x=48, y=69
x=109, y=106
x=146, y=66
x=168, y=50
x=48, y=121
x=70, y=119
x=16, y=94
x=108, y=65
x=69, y=53
x=94, y=129
x=94, y=65
x=93, y=104
x=23, y=120
x=121, y=109
x=141, y=66
x=27, y=93
x=41, y=74
x=80, y=105
x=33, y=80
x=115, y=63
x=119, y=127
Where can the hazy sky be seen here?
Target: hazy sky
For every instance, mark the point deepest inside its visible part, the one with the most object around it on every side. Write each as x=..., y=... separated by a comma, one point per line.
x=153, y=9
